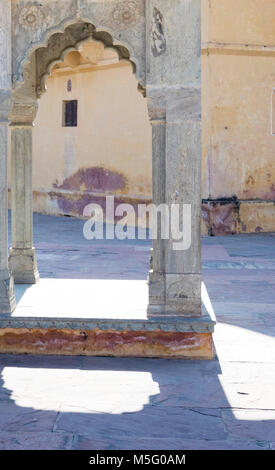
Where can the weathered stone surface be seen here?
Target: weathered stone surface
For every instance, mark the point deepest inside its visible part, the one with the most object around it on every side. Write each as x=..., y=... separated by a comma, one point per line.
x=230, y=216
x=21, y=162
x=23, y=265
x=86, y=443
x=174, y=294
x=183, y=157
x=23, y=440
x=180, y=23
x=250, y=424
x=175, y=111
x=184, y=424
x=23, y=419
x=216, y=396
x=219, y=218
x=7, y=297
x=107, y=343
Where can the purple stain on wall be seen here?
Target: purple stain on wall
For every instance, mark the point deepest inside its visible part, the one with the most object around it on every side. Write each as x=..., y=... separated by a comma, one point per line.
x=94, y=179
x=220, y=219
x=74, y=204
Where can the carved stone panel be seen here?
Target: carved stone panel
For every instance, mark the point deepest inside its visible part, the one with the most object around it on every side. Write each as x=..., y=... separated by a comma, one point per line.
x=34, y=22
x=173, y=28
x=125, y=19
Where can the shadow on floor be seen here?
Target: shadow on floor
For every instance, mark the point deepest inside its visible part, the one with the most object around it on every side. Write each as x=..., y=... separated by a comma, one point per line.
x=106, y=403
x=54, y=402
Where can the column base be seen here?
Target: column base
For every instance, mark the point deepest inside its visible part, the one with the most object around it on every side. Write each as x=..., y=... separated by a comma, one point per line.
x=177, y=295
x=23, y=266
x=7, y=297
x=189, y=309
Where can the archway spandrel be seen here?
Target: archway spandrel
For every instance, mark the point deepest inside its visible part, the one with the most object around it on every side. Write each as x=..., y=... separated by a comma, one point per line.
x=115, y=23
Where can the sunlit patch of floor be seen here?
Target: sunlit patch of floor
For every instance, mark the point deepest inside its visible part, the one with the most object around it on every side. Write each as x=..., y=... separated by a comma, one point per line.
x=74, y=390
x=83, y=298
x=88, y=298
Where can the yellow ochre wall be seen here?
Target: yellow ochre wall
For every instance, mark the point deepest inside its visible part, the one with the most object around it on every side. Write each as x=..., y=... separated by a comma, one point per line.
x=109, y=152
x=112, y=143
x=238, y=61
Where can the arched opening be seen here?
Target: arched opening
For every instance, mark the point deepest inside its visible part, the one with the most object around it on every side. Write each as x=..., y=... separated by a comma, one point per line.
x=167, y=68
x=106, y=148
x=91, y=138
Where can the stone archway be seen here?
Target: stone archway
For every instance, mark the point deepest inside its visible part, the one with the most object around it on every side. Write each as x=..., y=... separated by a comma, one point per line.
x=24, y=104
x=162, y=41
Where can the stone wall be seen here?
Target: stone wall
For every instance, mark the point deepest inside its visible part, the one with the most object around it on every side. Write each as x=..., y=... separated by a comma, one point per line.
x=238, y=78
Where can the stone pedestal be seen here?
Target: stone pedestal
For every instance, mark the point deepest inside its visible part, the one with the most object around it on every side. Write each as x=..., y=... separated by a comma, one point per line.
x=179, y=338
x=23, y=265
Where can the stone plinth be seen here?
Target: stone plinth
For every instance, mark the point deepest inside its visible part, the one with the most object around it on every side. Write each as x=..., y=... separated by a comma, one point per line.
x=107, y=343
x=159, y=337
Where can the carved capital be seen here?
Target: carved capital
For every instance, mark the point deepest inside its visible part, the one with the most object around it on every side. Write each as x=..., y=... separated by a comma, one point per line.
x=156, y=102
x=23, y=114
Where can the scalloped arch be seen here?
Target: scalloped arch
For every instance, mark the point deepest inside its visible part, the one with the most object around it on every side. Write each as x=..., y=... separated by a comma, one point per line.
x=43, y=57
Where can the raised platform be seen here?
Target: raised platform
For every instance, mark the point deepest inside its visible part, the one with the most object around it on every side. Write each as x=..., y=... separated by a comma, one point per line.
x=101, y=318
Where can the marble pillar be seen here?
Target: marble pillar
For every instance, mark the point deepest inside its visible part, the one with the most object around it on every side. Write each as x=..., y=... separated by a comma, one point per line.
x=7, y=298
x=174, y=104
x=22, y=259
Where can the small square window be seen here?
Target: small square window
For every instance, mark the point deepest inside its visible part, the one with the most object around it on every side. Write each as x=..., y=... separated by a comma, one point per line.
x=70, y=113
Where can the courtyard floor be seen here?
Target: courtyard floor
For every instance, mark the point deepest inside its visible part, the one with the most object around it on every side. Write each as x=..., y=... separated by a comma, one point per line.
x=49, y=402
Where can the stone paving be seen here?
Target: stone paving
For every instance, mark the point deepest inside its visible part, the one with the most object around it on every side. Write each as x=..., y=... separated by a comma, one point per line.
x=108, y=403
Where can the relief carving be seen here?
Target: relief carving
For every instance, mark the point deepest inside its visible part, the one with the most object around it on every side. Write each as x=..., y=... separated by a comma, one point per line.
x=31, y=18
x=126, y=14
x=158, y=41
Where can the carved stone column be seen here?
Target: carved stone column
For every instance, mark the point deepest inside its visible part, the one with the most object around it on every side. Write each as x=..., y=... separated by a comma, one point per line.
x=22, y=260
x=7, y=299
x=157, y=114
x=174, y=102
